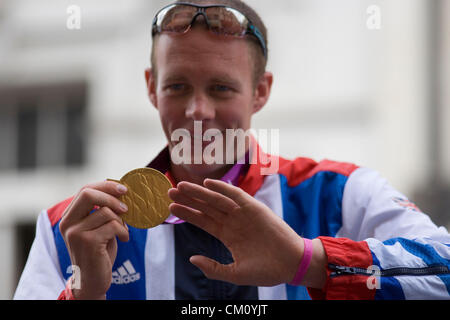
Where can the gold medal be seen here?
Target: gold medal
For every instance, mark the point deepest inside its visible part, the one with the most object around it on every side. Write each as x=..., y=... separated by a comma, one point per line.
x=147, y=199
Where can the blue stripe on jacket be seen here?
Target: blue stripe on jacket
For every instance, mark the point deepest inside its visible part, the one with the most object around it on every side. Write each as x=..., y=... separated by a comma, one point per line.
x=313, y=208
x=132, y=250
x=427, y=253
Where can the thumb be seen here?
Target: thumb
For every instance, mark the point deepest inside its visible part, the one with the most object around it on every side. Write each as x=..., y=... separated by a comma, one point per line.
x=213, y=269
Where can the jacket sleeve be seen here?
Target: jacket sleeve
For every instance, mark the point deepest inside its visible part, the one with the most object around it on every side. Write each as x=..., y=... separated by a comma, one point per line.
x=41, y=278
x=386, y=248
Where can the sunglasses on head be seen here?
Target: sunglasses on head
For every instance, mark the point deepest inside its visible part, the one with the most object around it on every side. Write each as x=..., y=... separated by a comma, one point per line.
x=222, y=20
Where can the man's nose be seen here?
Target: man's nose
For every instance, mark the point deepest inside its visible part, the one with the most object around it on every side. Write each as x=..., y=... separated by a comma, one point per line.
x=200, y=109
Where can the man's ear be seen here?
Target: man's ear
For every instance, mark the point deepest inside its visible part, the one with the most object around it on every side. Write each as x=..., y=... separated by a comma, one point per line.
x=262, y=91
x=151, y=86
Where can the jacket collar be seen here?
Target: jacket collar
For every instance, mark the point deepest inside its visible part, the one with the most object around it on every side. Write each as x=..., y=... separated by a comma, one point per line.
x=249, y=176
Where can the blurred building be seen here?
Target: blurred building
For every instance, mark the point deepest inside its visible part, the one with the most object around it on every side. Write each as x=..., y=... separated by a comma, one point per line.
x=355, y=80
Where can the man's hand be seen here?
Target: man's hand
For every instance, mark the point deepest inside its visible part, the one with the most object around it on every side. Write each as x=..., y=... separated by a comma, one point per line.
x=90, y=237
x=266, y=251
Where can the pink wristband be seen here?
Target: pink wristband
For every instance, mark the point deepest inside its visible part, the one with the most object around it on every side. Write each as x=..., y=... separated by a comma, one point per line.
x=304, y=264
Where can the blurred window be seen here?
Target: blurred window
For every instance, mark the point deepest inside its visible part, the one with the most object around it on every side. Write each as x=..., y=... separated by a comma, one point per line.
x=26, y=135
x=42, y=126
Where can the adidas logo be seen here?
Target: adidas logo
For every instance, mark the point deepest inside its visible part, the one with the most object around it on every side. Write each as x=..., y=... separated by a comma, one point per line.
x=125, y=274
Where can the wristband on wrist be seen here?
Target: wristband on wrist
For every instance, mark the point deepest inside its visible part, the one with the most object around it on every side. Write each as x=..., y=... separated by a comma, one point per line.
x=304, y=264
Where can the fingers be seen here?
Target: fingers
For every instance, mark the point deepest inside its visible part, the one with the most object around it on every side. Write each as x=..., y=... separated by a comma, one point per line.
x=103, y=224
x=102, y=194
x=234, y=193
x=196, y=218
x=211, y=198
x=113, y=229
x=108, y=186
x=182, y=198
x=99, y=218
x=213, y=269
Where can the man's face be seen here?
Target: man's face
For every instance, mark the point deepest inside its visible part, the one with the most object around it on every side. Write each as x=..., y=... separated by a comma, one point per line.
x=204, y=77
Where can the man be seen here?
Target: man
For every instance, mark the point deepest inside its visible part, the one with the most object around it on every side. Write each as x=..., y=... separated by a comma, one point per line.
x=246, y=237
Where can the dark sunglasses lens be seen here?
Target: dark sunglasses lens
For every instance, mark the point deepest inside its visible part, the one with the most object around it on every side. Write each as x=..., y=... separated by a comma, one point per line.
x=176, y=18
x=227, y=21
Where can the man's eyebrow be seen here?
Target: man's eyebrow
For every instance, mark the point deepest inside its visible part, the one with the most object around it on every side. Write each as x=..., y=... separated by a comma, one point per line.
x=174, y=79
x=226, y=80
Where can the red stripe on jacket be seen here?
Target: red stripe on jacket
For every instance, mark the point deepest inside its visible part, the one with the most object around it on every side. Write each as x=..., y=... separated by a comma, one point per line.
x=55, y=212
x=347, y=253
x=296, y=171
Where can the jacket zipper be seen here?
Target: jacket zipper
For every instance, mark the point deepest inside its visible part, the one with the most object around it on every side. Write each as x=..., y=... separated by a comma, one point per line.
x=401, y=271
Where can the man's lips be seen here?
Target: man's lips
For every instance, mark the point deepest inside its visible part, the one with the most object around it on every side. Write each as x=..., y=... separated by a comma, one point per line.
x=201, y=135
x=198, y=139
